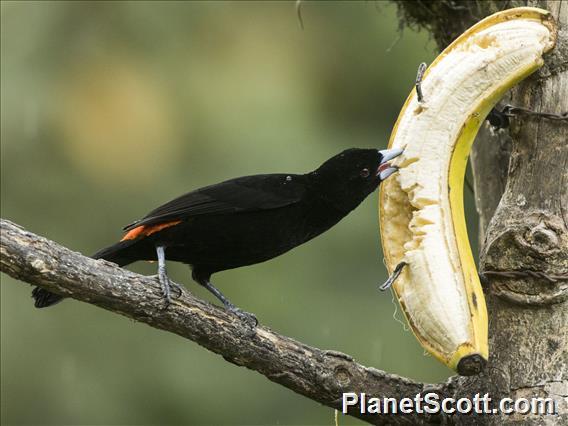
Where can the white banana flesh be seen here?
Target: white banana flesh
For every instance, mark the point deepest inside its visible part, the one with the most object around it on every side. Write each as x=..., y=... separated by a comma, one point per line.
x=421, y=208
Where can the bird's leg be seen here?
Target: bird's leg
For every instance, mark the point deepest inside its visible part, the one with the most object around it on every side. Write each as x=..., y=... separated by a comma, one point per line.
x=166, y=283
x=245, y=316
x=395, y=274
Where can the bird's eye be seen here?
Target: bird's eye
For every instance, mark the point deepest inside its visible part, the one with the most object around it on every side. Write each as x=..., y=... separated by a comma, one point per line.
x=364, y=173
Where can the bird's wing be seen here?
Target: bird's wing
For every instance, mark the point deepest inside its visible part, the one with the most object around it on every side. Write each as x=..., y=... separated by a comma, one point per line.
x=244, y=194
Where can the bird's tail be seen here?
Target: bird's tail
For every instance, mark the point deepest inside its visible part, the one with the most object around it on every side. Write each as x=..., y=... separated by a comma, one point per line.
x=120, y=253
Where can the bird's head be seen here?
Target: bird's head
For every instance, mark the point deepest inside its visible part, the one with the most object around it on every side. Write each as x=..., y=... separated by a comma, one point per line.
x=349, y=177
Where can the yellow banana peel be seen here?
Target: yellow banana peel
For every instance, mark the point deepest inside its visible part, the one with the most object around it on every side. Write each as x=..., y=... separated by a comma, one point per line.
x=421, y=209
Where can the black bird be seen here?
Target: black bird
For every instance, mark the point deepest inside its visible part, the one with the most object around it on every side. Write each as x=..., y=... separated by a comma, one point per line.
x=246, y=220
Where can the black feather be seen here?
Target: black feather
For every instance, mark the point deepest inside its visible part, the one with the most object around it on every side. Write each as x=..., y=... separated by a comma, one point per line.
x=44, y=298
x=244, y=194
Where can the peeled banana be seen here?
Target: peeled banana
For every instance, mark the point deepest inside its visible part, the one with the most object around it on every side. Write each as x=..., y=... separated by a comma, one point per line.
x=423, y=229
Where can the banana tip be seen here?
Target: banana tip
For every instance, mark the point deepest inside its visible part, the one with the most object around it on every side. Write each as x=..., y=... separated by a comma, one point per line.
x=471, y=365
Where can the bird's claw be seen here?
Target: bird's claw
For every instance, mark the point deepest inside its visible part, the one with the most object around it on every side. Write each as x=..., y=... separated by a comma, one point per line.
x=178, y=288
x=167, y=286
x=246, y=317
x=166, y=293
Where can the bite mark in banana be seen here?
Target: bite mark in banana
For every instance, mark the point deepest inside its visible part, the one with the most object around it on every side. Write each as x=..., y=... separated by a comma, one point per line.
x=421, y=208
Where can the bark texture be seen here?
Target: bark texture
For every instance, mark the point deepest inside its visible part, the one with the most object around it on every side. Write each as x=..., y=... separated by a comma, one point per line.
x=521, y=193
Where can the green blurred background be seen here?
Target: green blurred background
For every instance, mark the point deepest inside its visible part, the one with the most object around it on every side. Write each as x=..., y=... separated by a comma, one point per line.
x=109, y=109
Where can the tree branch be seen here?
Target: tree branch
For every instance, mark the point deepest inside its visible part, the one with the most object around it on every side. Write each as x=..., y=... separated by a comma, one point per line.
x=317, y=374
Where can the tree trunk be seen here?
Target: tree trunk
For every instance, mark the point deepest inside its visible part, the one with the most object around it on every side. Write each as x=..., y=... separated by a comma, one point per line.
x=521, y=194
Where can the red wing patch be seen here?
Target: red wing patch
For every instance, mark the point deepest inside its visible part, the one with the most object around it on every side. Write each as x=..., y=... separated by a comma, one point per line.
x=144, y=231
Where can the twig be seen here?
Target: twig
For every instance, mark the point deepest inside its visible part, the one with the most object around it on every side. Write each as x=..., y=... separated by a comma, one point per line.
x=299, y=13
x=512, y=111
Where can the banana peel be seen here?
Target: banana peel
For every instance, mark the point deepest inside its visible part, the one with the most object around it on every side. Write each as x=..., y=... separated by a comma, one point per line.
x=421, y=212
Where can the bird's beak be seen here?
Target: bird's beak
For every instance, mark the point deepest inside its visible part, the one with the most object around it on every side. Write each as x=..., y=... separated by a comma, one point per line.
x=385, y=169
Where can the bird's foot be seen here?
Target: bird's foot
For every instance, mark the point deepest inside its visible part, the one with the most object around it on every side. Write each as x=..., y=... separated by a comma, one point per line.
x=246, y=317
x=166, y=283
x=167, y=287
x=178, y=288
